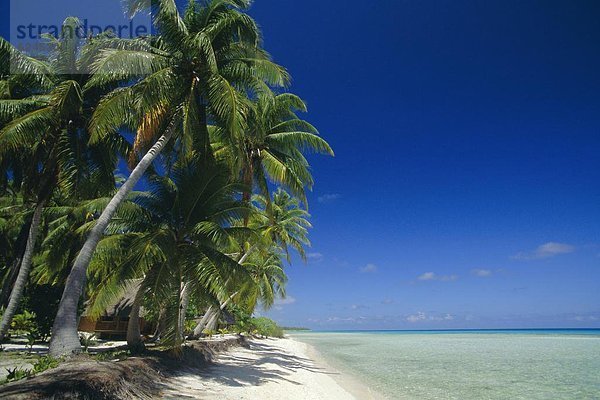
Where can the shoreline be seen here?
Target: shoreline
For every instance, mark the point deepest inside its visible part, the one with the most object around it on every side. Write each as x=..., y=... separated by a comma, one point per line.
x=267, y=369
x=228, y=368
x=351, y=383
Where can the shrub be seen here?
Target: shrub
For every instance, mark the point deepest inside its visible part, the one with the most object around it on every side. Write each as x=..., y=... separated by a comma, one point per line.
x=189, y=326
x=87, y=340
x=267, y=327
x=44, y=363
x=112, y=355
x=24, y=322
x=17, y=374
x=209, y=333
x=42, y=301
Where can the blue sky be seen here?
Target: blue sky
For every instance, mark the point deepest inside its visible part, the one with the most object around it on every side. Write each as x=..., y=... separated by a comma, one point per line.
x=465, y=191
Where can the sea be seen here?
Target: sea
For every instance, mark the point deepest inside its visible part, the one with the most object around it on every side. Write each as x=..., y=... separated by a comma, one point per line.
x=549, y=364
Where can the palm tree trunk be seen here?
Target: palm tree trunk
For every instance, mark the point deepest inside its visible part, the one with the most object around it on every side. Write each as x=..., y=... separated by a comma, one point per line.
x=21, y=281
x=212, y=324
x=200, y=326
x=160, y=326
x=19, y=249
x=209, y=316
x=245, y=256
x=185, y=301
x=9, y=281
x=65, y=340
x=134, y=339
x=204, y=322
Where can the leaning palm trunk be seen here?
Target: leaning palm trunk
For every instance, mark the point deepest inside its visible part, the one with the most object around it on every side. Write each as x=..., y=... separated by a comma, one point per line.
x=202, y=324
x=212, y=324
x=23, y=276
x=245, y=256
x=65, y=340
x=209, y=317
x=210, y=313
x=134, y=337
x=9, y=281
x=185, y=301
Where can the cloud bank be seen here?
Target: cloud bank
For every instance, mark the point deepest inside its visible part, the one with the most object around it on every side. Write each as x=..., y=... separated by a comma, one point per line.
x=546, y=250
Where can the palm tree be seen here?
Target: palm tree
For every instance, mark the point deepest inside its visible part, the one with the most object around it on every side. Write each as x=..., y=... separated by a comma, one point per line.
x=14, y=228
x=287, y=225
x=272, y=145
x=180, y=247
x=199, y=66
x=284, y=225
x=47, y=137
x=266, y=284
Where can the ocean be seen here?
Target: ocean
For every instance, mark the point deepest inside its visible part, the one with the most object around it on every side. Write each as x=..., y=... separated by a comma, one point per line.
x=465, y=365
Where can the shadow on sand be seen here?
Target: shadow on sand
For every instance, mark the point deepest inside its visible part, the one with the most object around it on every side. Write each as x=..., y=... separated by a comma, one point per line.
x=237, y=371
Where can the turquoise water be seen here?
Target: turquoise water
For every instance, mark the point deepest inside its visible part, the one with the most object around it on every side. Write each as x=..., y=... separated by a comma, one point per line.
x=464, y=365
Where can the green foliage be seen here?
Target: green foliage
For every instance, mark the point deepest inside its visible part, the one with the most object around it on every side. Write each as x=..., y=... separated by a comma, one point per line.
x=44, y=363
x=267, y=327
x=190, y=324
x=16, y=374
x=209, y=332
x=87, y=340
x=42, y=301
x=23, y=323
x=41, y=364
x=243, y=322
x=32, y=337
x=198, y=226
x=112, y=355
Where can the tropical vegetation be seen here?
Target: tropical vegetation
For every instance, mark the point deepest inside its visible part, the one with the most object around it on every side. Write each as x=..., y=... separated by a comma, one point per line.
x=172, y=165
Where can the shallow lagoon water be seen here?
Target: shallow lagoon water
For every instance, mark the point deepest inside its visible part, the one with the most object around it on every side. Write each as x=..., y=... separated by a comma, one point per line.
x=465, y=365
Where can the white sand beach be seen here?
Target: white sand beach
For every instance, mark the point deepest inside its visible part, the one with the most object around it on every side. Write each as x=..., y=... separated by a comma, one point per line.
x=268, y=369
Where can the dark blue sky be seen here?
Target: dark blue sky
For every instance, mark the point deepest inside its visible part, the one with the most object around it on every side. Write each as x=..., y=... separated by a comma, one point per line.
x=465, y=191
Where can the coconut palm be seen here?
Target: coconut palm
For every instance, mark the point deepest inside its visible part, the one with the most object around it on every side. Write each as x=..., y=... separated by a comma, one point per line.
x=271, y=147
x=284, y=225
x=179, y=246
x=46, y=139
x=198, y=68
x=266, y=284
x=14, y=228
x=287, y=224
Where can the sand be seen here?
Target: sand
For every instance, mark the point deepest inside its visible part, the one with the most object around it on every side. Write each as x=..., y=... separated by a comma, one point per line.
x=267, y=369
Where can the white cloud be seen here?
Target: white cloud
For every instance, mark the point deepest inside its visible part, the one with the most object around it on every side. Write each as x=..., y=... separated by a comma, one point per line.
x=341, y=319
x=481, y=273
x=432, y=276
x=387, y=301
x=421, y=316
x=358, y=307
x=369, y=269
x=546, y=250
x=448, y=317
x=284, y=302
x=329, y=198
x=314, y=257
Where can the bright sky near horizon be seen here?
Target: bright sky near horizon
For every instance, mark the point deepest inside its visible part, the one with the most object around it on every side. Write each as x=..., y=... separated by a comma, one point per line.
x=465, y=191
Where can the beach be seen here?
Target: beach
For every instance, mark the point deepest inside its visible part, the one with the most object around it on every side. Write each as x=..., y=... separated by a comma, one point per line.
x=267, y=369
